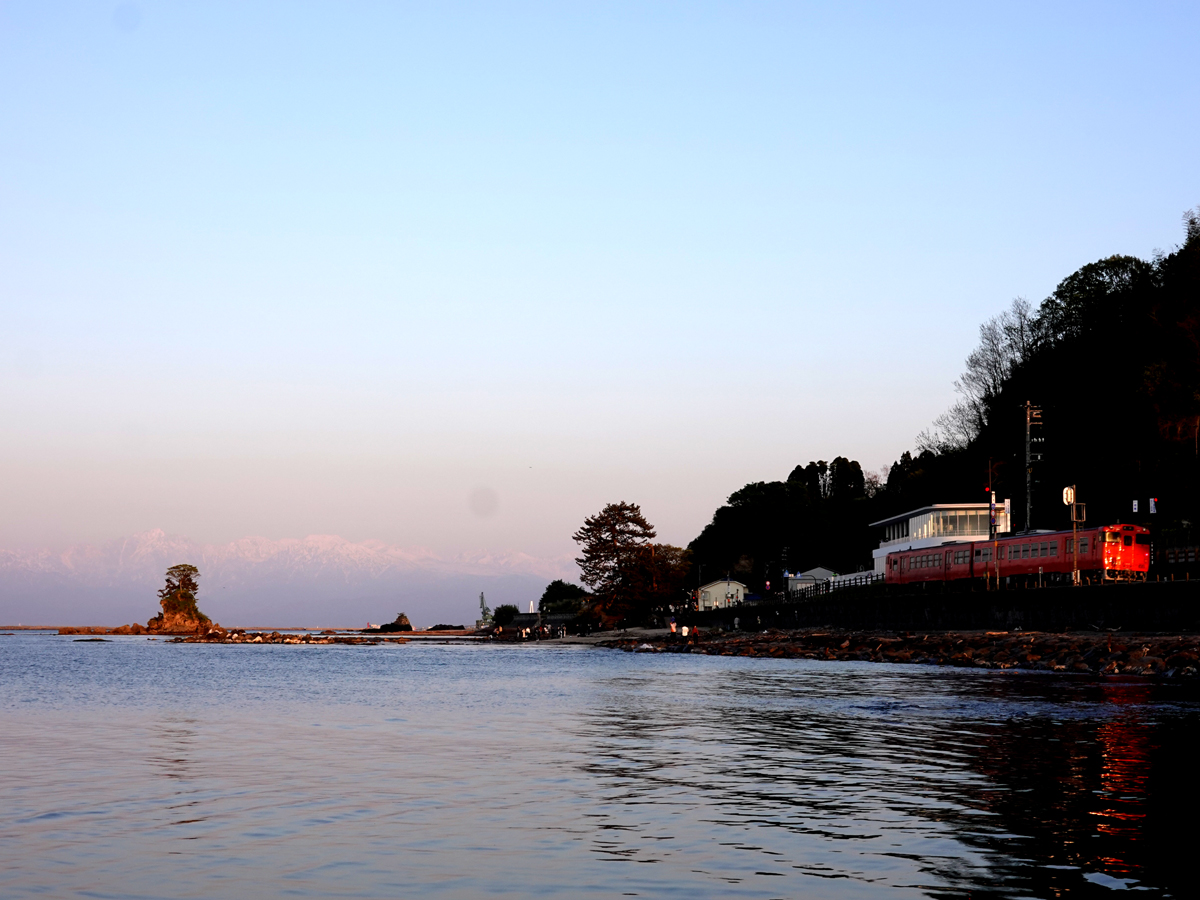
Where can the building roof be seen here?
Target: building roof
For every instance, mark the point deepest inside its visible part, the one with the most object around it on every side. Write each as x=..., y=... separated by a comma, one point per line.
x=820, y=573
x=722, y=581
x=932, y=508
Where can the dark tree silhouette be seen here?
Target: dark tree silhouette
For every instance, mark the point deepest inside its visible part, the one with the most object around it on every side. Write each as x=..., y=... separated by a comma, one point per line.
x=504, y=614
x=562, y=597
x=612, y=542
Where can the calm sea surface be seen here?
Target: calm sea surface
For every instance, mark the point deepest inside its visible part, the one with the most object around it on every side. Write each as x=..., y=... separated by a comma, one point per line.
x=141, y=769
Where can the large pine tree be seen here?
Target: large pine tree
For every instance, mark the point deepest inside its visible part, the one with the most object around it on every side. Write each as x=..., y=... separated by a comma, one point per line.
x=612, y=541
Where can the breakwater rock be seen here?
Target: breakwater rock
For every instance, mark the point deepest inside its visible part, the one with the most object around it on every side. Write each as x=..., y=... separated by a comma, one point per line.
x=173, y=626
x=1095, y=653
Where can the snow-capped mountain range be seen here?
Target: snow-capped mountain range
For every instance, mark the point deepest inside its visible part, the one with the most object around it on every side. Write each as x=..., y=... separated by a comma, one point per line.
x=285, y=581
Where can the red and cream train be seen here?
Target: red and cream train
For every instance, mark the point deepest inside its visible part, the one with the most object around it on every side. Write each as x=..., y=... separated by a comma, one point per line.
x=1109, y=553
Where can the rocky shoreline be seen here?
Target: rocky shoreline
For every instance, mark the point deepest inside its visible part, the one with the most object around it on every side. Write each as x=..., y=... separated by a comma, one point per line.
x=1164, y=656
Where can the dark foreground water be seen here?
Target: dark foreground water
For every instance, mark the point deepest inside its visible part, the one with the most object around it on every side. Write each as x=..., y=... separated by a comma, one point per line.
x=142, y=769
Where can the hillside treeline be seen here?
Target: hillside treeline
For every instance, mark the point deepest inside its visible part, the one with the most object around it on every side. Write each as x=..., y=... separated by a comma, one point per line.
x=1112, y=358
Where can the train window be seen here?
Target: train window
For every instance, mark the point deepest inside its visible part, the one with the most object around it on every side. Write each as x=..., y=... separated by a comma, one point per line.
x=1143, y=539
x=1024, y=551
x=1054, y=548
x=1111, y=537
x=1083, y=545
x=1128, y=542
x=1045, y=550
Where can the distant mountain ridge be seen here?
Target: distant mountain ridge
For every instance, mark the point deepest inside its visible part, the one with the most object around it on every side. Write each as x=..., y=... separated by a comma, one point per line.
x=318, y=574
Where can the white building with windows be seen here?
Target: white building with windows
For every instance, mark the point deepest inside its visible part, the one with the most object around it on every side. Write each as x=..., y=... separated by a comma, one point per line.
x=721, y=594
x=931, y=526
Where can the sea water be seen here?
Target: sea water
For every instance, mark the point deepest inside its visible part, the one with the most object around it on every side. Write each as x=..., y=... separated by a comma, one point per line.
x=142, y=769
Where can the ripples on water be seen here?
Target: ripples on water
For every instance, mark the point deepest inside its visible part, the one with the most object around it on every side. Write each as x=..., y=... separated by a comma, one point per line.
x=140, y=769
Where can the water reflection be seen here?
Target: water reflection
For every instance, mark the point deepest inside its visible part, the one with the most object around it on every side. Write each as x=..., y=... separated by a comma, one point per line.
x=466, y=772
x=171, y=749
x=174, y=749
x=951, y=785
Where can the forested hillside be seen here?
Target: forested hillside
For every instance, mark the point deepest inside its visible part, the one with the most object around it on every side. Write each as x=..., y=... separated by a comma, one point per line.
x=1112, y=358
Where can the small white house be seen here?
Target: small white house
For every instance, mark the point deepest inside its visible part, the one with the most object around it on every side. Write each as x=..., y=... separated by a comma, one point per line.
x=721, y=594
x=811, y=577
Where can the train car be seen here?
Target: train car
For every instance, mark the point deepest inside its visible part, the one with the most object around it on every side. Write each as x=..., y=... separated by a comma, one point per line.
x=1108, y=553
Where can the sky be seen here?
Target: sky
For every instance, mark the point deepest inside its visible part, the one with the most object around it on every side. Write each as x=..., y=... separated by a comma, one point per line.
x=455, y=275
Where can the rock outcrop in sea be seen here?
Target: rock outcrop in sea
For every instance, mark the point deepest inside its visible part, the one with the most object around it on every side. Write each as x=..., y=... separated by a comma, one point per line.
x=180, y=615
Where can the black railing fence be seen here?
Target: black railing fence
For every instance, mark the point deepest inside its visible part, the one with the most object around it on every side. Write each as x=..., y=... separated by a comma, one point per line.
x=822, y=588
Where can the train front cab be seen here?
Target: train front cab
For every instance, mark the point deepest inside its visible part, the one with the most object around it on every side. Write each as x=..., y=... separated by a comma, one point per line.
x=1124, y=552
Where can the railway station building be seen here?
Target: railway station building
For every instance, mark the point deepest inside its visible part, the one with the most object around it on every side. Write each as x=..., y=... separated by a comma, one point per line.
x=931, y=526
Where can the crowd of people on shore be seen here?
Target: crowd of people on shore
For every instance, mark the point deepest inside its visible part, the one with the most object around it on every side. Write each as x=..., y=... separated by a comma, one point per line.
x=535, y=633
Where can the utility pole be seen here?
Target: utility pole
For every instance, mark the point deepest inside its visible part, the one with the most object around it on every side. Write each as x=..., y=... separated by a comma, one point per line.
x=995, y=544
x=1078, y=515
x=1033, y=416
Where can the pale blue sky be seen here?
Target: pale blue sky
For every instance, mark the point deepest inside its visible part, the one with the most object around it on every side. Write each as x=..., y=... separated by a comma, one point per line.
x=292, y=268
